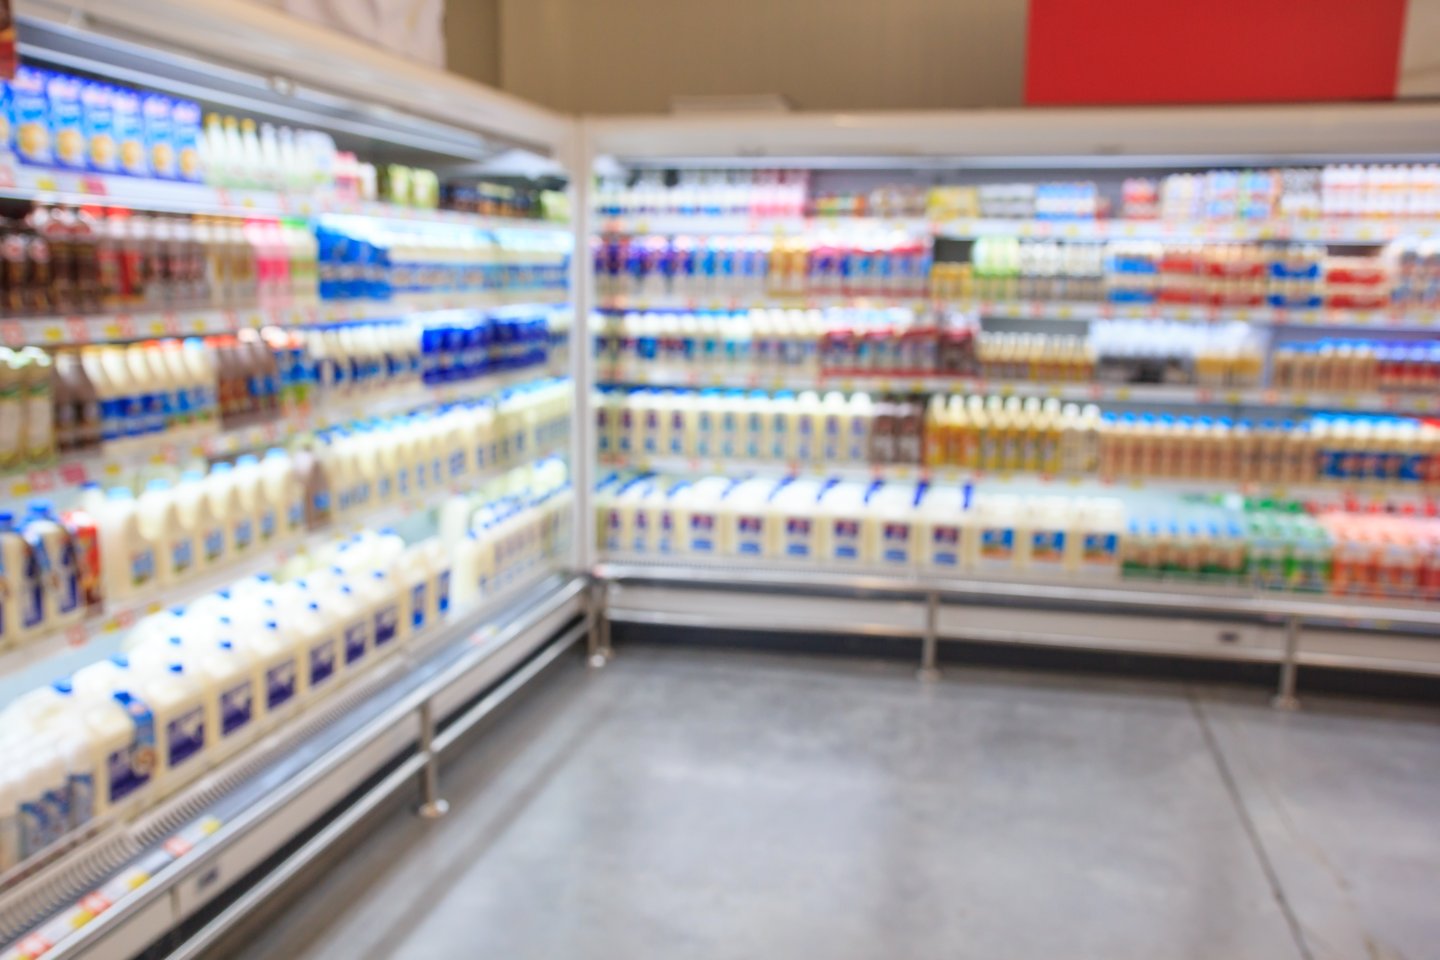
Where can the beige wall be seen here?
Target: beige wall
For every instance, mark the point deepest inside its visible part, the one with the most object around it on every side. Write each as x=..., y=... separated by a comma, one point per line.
x=472, y=39
x=623, y=56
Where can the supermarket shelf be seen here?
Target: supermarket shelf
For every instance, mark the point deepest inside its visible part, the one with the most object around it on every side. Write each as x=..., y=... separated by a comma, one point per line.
x=1123, y=393
x=1334, y=231
x=128, y=885
x=118, y=460
x=739, y=225
x=1394, y=318
x=616, y=304
x=118, y=616
x=23, y=182
x=1170, y=604
x=1094, y=485
x=1338, y=231
x=124, y=327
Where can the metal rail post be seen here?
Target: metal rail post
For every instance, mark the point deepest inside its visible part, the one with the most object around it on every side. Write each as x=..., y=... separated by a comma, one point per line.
x=432, y=805
x=598, y=640
x=1285, y=699
x=930, y=643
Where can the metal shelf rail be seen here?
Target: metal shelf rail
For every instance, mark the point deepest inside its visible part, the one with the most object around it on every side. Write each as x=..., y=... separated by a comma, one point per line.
x=128, y=885
x=1283, y=630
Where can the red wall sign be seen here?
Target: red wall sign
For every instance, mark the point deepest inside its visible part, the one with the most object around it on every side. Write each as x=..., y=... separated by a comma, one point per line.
x=1211, y=51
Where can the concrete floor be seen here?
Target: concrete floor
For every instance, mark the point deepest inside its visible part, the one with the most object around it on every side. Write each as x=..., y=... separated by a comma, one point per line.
x=713, y=805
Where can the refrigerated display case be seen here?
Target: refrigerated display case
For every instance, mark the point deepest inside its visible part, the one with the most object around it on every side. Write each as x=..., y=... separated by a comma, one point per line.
x=1158, y=381
x=285, y=450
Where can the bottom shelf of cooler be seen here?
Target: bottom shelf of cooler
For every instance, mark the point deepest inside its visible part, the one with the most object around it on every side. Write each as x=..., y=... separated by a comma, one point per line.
x=125, y=884
x=1158, y=618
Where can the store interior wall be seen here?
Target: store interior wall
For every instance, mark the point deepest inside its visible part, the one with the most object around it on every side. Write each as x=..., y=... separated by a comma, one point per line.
x=632, y=56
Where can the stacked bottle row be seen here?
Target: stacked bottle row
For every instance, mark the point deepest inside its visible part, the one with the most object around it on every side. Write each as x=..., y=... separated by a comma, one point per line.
x=522, y=201
x=361, y=258
x=118, y=395
x=1011, y=435
x=898, y=342
x=705, y=193
x=1375, y=191
x=865, y=264
x=784, y=428
x=1359, y=365
x=61, y=260
x=942, y=529
x=197, y=684
x=117, y=544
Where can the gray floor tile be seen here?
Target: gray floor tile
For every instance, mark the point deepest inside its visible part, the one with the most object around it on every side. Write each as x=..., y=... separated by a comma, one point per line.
x=718, y=805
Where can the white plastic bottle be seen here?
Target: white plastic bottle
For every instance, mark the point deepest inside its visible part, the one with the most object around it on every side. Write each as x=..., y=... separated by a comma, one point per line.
x=196, y=514
x=173, y=542
x=225, y=499
x=127, y=556
x=256, y=498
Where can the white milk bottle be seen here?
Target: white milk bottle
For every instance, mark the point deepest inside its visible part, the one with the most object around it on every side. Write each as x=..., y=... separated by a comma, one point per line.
x=352, y=621
x=127, y=556
x=284, y=491
x=808, y=424
x=942, y=528
x=148, y=400
x=23, y=609
x=318, y=647
x=227, y=503
x=274, y=654
x=996, y=519
x=54, y=552
x=839, y=512
x=857, y=437
x=891, y=524
x=833, y=428
x=234, y=701
x=747, y=520
x=1050, y=535
x=176, y=699
x=124, y=416
x=196, y=514
x=797, y=531
x=160, y=524
x=379, y=590
x=267, y=510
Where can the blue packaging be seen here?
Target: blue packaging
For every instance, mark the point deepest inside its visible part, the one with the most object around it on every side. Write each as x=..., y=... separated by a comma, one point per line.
x=97, y=123
x=63, y=94
x=129, y=128
x=7, y=117
x=32, y=116
x=185, y=123
x=155, y=111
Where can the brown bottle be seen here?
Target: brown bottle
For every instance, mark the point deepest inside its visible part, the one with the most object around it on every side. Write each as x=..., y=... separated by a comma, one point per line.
x=16, y=269
x=74, y=383
x=882, y=433
x=109, y=242
x=262, y=373
x=315, y=481
x=58, y=276
x=909, y=425
x=84, y=240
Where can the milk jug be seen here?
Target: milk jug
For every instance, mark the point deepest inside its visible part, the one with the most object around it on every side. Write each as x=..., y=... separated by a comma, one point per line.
x=283, y=491
x=22, y=605
x=273, y=651
x=227, y=504
x=127, y=556
x=197, y=517
x=942, y=528
x=176, y=700
x=250, y=481
x=172, y=541
x=59, y=568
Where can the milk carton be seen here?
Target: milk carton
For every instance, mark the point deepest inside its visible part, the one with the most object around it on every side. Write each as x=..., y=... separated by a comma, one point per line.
x=943, y=529
x=54, y=553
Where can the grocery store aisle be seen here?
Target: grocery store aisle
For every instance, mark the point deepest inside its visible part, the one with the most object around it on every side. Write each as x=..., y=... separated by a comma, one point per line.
x=714, y=804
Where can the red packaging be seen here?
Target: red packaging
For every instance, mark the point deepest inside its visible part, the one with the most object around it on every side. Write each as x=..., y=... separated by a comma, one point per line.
x=85, y=535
